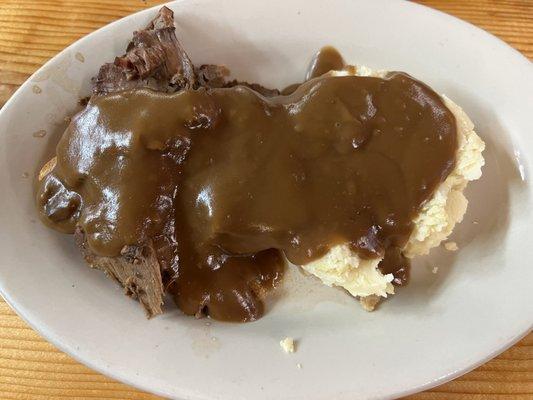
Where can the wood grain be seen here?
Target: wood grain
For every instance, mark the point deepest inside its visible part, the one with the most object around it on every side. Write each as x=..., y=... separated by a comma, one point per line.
x=31, y=32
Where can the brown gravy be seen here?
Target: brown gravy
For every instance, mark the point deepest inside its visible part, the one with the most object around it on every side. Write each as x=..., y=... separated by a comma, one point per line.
x=326, y=59
x=224, y=181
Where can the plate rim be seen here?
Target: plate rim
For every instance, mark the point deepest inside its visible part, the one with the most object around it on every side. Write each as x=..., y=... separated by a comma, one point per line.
x=91, y=363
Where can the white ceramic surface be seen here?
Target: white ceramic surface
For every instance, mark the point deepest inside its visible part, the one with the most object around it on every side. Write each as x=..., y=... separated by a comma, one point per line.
x=441, y=325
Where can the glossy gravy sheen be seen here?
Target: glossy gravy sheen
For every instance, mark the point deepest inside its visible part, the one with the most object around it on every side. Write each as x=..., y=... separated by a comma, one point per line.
x=224, y=182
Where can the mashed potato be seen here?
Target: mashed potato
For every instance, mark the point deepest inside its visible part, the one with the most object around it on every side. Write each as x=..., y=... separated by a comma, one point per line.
x=343, y=268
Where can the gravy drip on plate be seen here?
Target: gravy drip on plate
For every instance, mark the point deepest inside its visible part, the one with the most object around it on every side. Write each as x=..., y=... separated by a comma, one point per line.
x=225, y=182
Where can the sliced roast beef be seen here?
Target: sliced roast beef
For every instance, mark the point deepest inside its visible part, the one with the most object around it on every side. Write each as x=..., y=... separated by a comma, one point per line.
x=156, y=60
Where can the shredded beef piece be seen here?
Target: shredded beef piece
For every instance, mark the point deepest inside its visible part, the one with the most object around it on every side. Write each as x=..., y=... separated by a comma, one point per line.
x=211, y=76
x=214, y=76
x=136, y=269
x=154, y=59
x=256, y=87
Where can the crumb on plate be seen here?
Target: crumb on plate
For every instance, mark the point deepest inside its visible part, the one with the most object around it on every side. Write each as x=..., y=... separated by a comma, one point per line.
x=369, y=303
x=451, y=246
x=287, y=345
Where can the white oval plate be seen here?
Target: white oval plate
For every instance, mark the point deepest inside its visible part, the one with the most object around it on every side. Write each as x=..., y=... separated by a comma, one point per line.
x=440, y=326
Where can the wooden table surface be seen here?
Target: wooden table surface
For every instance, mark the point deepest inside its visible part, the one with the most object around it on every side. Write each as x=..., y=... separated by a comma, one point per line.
x=31, y=32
